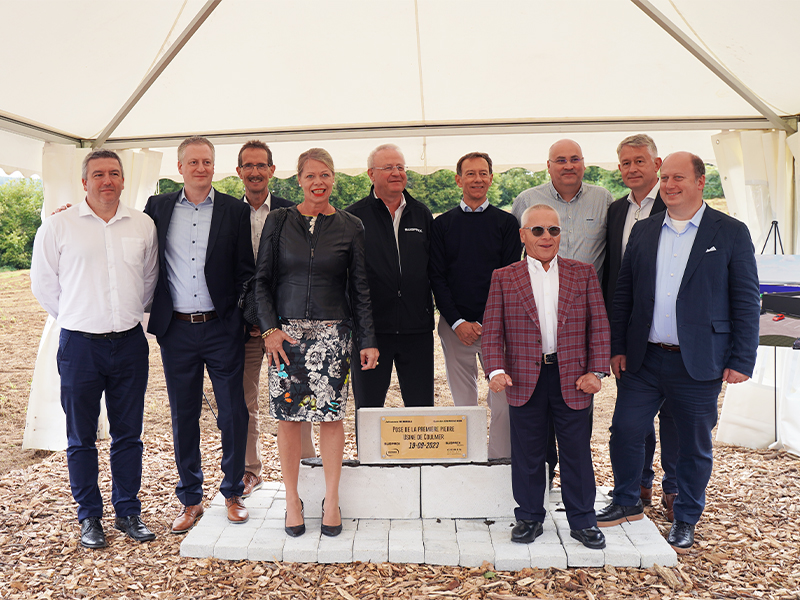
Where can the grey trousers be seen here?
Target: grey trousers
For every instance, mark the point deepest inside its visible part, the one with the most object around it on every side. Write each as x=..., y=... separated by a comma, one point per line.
x=462, y=377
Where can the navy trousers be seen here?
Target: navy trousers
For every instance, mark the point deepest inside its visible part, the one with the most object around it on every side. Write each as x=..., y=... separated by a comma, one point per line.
x=529, y=427
x=185, y=349
x=89, y=367
x=669, y=452
x=412, y=355
x=693, y=404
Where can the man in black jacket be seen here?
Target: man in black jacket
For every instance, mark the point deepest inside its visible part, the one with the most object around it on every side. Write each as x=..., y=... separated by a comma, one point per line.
x=397, y=229
x=638, y=165
x=205, y=257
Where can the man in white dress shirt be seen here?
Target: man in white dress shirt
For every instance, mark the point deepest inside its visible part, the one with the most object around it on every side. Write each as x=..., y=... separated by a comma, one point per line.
x=94, y=269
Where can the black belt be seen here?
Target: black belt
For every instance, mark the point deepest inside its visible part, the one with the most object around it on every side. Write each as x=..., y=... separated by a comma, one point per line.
x=195, y=317
x=114, y=335
x=549, y=359
x=669, y=347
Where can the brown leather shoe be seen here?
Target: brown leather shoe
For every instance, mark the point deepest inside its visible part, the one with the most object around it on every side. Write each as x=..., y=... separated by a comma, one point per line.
x=251, y=483
x=237, y=513
x=667, y=500
x=186, y=519
x=646, y=494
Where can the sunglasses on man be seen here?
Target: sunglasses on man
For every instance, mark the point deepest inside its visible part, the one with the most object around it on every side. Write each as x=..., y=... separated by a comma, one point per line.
x=539, y=231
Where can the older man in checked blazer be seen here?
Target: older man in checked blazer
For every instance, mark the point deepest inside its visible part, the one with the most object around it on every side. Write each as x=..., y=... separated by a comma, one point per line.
x=547, y=344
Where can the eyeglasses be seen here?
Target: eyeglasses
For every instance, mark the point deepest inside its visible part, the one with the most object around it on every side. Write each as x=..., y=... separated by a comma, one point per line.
x=389, y=169
x=562, y=161
x=260, y=166
x=539, y=231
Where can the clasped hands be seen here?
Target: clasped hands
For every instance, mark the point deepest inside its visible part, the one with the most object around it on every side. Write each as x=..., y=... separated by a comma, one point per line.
x=588, y=383
x=273, y=345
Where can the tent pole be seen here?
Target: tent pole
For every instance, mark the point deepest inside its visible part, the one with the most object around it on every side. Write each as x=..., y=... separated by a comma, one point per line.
x=715, y=67
x=159, y=67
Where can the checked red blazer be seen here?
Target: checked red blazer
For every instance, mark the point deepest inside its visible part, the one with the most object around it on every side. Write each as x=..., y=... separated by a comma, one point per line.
x=512, y=340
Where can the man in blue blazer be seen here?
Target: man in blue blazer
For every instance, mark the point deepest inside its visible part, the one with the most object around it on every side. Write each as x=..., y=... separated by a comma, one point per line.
x=205, y=256
x=684, y=319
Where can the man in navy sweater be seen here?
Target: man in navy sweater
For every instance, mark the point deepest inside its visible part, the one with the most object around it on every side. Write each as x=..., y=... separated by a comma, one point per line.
x=468, y=243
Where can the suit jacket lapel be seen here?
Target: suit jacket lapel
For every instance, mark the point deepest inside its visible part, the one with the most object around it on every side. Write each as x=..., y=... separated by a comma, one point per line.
x=658, y=204
x=566, y=291
x=522, y=281
x=217, y=216
x=168, y=209
x=709, y=225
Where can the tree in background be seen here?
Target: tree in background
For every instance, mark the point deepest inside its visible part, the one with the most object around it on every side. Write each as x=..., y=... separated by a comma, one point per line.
x=510, y=184
x=20, y=216
x=713, y=187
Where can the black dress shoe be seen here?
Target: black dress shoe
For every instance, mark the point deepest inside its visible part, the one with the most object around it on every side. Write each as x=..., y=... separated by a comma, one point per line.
x=296, y=530
x=330, y=530
x=526, y=531
x=614, y=514
x=92, y=535
x=591, y=537
x=134, y=528
x=681, y=536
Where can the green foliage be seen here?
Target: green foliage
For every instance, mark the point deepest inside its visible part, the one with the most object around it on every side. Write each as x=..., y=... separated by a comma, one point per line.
x=167, y=186
x=437, y=190
x=233, y=186
x=349, y=189
x=20, y=216
x=713, y=187
x=510, y=184
x=611, y=180
x=286, y=188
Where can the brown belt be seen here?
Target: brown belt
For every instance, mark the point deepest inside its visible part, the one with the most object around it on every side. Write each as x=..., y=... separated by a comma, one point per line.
x=195, y=317
x=670, y=347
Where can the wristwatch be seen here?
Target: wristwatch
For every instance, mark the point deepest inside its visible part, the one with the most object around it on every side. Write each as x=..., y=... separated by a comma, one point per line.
x=599, y=375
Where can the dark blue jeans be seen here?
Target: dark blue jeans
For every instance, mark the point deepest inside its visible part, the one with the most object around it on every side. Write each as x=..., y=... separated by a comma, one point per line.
x=693, y=404
x=119, y=368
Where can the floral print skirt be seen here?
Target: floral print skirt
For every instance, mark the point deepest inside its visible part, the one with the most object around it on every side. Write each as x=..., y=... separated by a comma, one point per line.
x=313, y=386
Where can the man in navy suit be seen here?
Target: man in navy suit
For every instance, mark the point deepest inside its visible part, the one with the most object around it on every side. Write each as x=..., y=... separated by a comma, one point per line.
x=205, y=256
x=255, y=169
x=638, y=165
x=685, y=319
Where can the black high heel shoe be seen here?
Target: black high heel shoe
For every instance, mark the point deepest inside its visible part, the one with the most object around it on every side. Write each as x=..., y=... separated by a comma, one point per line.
x=296, y=530
x=330, y=530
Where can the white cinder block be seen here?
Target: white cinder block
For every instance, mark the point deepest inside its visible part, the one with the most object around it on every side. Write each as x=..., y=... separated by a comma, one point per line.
x=199, y=543
x=303, y=548
x=267, y=544
x=365, y=492
x=644, y=525
x=620, y=552
x=441, y=551
x=371, y=546
x=657, y=554
x=509, y=556
x=233, y=543
x=579, y=555
x=374, y=525
x=406, y=524
x=337, y=549
x=466, y=491
x=544, y=555
x=369, y=433
x=405, y=546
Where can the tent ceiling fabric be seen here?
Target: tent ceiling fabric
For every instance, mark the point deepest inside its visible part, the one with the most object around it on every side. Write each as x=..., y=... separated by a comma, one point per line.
x=350, y=75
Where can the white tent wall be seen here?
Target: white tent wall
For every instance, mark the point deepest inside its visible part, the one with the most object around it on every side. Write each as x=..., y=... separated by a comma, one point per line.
x=45, y=423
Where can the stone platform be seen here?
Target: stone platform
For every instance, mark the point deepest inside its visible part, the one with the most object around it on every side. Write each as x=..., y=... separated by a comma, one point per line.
x=464, y=542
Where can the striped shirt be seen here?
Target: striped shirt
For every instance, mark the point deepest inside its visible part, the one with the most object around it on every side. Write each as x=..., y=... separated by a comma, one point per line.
x=583, y=220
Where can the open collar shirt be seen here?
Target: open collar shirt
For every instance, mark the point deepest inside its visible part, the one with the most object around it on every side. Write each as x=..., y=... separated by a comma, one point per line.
x=93, y=276
x=187, y=244
x=674, y=246
x=637, y=213
x=257, y=219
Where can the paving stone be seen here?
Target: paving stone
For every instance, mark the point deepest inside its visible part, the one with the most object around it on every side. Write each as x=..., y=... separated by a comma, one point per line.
x=260, y=499
x=303, y=548
x=471, y=524
x=232, y=543
x=657, y=554
x=199, y=543
x=337, y=549
x=267, y=544
x=273, y=524
x=482, y=491
x=508, y=555
x=474, y=547
x=579, y=555
x=474, y=536
x=406, y=524
x=406, y=546
x=277, y=510
x=543, y=556
x=438, y=525
x=644, y=525
x=374, y=524
x=503, y=525
x=441, y=551
x=218, y=499
x=620, y=552
x=371, y=545
x=272, y=485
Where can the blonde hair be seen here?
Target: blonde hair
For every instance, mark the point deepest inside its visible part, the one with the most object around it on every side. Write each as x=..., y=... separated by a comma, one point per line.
x=314, y=154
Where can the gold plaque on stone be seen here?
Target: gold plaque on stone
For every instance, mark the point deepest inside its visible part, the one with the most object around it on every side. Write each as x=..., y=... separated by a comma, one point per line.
x=424, y=437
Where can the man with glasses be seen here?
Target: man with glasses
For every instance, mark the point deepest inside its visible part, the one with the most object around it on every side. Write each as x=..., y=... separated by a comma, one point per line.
x=582, y=209
x=255, y=170
x=546, y=342
x=468, y=243
x=397, y=229
x=639, y=164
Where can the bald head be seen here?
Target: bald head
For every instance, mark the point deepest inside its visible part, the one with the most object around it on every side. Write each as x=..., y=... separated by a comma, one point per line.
x=566, y=167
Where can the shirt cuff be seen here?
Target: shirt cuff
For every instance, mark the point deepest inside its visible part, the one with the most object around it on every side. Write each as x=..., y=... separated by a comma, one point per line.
x=457, y=323
x=496, y=372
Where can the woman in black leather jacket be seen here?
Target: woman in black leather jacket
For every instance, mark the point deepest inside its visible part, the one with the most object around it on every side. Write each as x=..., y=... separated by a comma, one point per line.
x=312, y=294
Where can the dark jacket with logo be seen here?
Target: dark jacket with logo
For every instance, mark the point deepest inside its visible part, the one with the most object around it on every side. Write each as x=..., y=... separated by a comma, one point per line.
x=399, y=288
